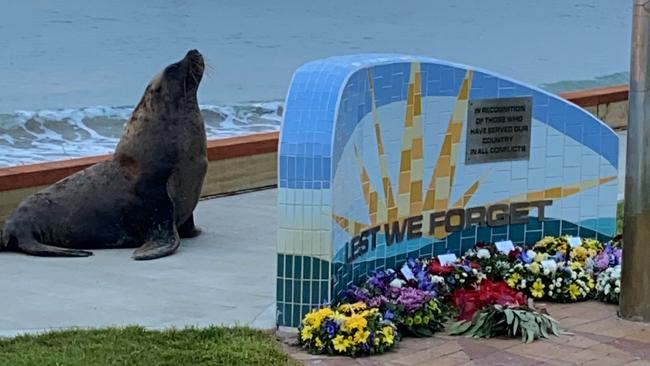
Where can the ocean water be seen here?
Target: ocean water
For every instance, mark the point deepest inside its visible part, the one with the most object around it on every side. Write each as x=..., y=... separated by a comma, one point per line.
x=72, y=70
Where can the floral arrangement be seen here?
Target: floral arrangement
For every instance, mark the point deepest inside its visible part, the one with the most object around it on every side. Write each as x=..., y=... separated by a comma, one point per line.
x=511, y=321
x=554, y=281
x=350, y=329
x=492, y=263
x=409, y=303
x=488, y=293
x=463, y=274
x=552, y=245
x=609, y=257
x=608, y=285
x=486, y=290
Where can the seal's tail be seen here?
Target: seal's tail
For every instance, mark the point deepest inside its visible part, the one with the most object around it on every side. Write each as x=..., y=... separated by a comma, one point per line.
x=43, y=250
x=33, y=247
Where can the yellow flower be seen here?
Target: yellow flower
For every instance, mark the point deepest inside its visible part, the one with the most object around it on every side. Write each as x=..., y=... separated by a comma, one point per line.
x=315, y=318
x=319, y=343
x=574, y=291
x=339, y=317
x=561, y=248
x=361, y=336
x=579, y=254
x=575, y=265
x=592, y=244
x=513, y=280
x=537, y=290
x=540, y=257
x=352, y=308
x=388, y=335
x=340, y=343
x=355, y=321
x=534, y=268
x=306, y=333
x=590, y=283
x=369, y=312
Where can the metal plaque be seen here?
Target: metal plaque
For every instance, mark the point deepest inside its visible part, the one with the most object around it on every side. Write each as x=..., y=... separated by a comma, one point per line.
x=498, y=130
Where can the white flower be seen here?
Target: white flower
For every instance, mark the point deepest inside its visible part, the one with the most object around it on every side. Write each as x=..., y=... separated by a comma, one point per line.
x=550, y=293
x=437, y=279
x=608, y=288
x=531, y=254
x=617, y=290
x=523, y=283
x=462, y=280
x=551, y=286
x=397, y=283
x=547, y=271
x=618, y=283
x=489, y=269
x=483, y=253
x=464, y=274
x=559, y=280
x=474, y=271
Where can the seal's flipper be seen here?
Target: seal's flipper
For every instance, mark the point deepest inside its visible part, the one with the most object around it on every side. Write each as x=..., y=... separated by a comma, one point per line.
x=188, y=229
x=162, y=238
x=156, y=249
x=43, y=250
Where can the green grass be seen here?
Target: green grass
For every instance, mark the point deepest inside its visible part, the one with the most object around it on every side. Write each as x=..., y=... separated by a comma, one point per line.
x=619, y=217
x=133, y=346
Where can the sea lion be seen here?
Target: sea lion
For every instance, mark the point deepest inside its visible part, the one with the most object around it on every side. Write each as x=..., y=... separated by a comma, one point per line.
x=142, y=197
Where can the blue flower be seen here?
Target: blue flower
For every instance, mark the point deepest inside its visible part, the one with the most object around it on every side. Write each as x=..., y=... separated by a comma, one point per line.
x=389, y=315
x=523, y=257
x=411, y=263
x=331, y=328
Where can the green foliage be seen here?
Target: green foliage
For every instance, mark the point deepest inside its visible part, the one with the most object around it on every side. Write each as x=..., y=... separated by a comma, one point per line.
x=619, y=217
x=497, y=320
x=136, y=346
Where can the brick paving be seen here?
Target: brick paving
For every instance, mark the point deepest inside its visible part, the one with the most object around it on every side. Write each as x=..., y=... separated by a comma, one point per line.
x=598, y=337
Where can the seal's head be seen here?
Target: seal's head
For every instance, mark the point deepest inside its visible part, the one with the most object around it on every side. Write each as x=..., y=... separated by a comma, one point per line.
x=178, y=82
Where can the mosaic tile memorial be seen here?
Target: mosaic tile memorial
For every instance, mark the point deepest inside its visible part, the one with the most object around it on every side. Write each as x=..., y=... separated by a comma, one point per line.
x=385, y=157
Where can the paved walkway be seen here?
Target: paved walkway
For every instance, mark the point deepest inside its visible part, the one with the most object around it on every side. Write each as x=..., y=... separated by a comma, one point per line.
x=224, y=276
x=599, y=338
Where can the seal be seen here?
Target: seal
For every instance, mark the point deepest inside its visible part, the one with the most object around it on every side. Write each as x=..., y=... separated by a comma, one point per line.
x=143, y=197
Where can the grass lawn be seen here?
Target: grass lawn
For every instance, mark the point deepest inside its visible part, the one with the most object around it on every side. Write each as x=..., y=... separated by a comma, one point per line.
x=133, y=346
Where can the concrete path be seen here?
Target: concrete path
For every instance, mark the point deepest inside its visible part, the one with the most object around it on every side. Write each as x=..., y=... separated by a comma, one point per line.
x=225, y=276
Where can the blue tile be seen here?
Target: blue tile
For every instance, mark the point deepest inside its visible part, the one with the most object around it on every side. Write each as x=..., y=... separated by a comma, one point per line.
x=446, y=80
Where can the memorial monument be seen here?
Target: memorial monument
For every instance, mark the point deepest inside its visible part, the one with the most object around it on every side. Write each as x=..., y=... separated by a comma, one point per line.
x=385, y=157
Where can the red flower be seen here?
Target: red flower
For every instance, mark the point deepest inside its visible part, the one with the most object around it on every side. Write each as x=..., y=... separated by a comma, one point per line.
x=488, y=293
x=513, y=254
x=435, y=268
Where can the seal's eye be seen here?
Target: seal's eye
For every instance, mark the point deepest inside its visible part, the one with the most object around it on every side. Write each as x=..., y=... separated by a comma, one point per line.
x=173, y=68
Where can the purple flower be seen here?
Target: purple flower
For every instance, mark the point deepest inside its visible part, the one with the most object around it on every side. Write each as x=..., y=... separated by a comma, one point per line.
x=618, y=254
x=356, y=293
x=365, y=347
x=412, y=299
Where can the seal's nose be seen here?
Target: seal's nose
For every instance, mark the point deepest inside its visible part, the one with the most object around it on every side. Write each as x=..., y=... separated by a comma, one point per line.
x=193, y=54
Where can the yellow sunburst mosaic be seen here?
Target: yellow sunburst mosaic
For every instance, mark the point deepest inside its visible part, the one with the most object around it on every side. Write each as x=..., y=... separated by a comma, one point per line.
x=412, y=197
